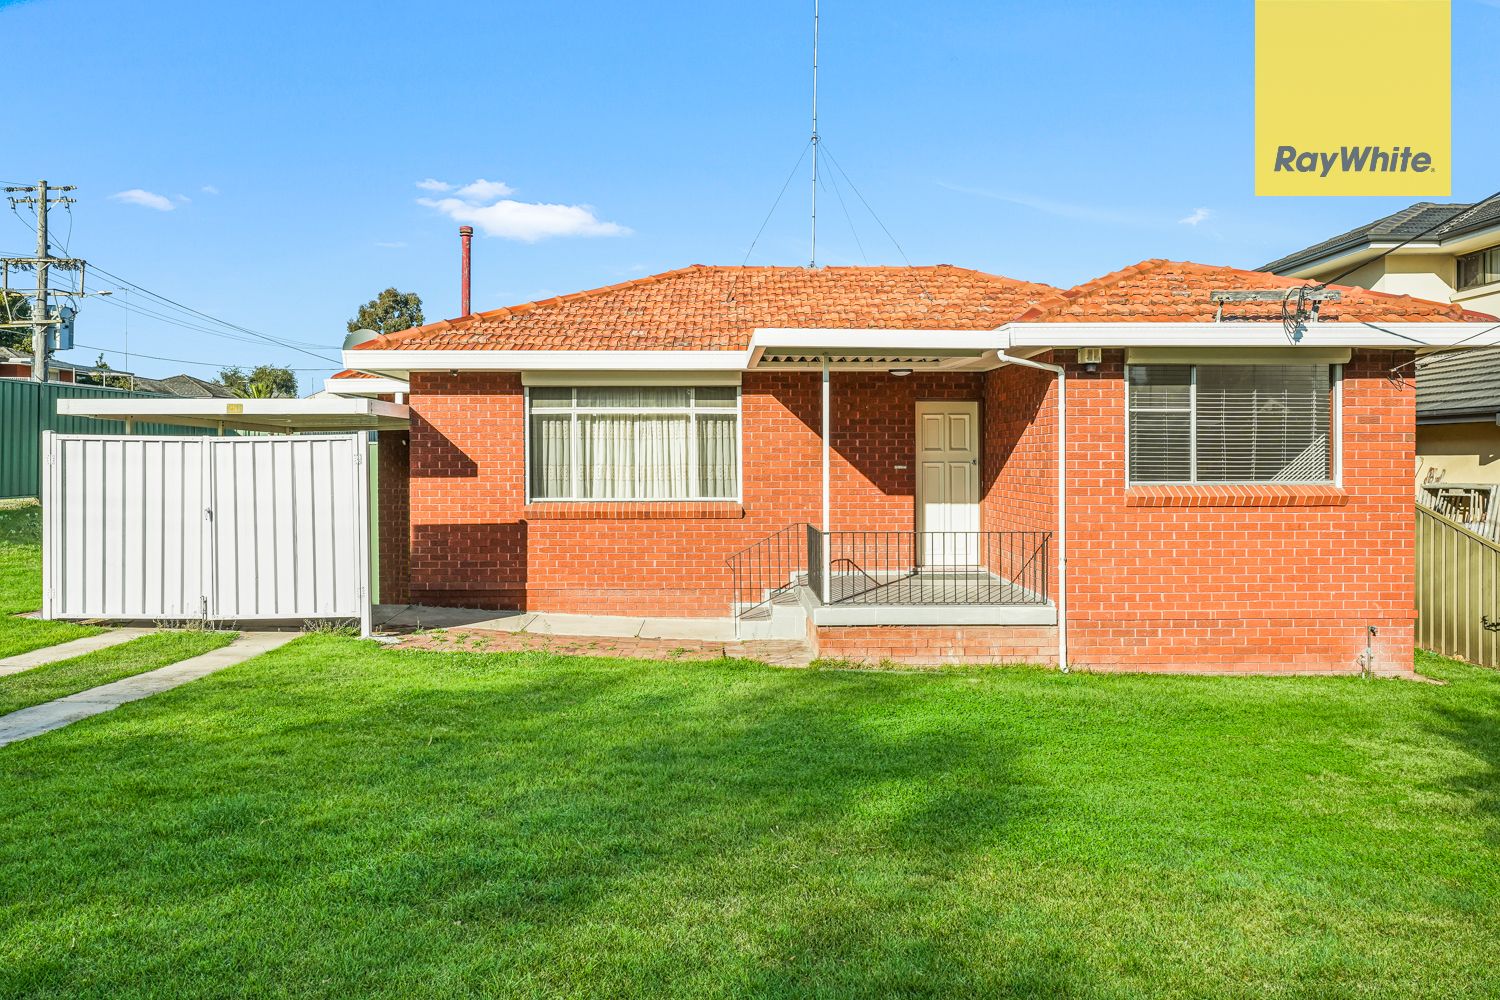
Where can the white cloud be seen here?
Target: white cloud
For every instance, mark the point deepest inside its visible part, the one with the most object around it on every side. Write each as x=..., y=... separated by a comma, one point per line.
x=209, y=189
x=482, y=204
x=483, y=190
x=1199, y=214
x=148, y=199
x=434, y=185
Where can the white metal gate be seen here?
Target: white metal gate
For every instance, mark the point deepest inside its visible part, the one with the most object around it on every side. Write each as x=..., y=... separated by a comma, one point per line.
x=223, y=529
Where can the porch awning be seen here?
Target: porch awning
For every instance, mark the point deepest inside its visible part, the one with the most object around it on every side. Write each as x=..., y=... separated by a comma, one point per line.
x=861, y=350
x=283, y=416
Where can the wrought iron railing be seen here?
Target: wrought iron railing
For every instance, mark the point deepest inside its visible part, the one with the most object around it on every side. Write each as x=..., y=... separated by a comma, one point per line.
x=935, y=567
x=769, y=569
x=892, y=567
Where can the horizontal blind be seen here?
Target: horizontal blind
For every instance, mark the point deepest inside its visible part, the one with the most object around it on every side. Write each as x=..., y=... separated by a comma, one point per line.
x=1263, y=423
x=1160, y=423
x=1230, y=423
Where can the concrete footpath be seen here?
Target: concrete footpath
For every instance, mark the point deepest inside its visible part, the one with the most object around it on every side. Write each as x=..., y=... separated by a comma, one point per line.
x=34, y=721
x=68, y=650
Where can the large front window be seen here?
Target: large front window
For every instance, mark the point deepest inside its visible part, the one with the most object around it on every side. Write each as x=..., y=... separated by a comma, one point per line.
x=1230, y=423
x=634, y=443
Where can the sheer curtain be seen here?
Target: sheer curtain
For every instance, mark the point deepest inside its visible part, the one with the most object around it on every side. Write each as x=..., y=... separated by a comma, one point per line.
x=551, y=465
x=718, y=447
x=622, y=450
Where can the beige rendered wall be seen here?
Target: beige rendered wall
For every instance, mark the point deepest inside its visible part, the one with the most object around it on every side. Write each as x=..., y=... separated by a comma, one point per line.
x=1458, y=453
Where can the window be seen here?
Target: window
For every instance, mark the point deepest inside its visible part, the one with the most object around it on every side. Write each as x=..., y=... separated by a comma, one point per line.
x=634, y=443
x=1481, y=268
x=1230, y=423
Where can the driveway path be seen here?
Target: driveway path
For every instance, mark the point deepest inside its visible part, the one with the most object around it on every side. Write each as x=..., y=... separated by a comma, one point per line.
x=68, y=650
x=34, y=721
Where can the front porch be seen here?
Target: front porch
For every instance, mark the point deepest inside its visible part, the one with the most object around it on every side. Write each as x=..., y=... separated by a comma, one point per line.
x=916, y=578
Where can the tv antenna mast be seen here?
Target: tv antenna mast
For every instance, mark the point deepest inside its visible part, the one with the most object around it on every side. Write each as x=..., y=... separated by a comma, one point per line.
x=813, y=260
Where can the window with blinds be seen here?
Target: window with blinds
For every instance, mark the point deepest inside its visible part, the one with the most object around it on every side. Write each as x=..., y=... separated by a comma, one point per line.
x=1230, y=423
x=634, y=443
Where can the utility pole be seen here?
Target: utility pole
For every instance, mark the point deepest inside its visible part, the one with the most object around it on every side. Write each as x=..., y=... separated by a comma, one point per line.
x=41, y=312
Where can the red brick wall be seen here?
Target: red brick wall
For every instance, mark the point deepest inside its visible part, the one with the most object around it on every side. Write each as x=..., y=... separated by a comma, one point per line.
x=1243, y=586
x=924, y=645
x=1020, y=456
x=394, y=515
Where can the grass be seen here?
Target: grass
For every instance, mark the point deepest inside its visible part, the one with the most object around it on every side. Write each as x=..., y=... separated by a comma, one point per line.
x=337, y=818
x=55, y=680
x=21, y=585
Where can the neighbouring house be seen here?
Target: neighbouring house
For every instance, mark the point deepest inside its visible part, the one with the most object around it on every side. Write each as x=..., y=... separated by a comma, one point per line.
x=926, y=464
x=1454, y=257
x=17, y=364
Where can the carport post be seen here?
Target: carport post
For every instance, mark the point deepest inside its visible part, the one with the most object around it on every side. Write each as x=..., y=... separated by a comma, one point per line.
x=827, y=558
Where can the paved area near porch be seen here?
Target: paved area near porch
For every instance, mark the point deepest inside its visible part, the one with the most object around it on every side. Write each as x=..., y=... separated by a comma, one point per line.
x=780, y=652
x=68, y=650
x=34, y=721
x=398, y=618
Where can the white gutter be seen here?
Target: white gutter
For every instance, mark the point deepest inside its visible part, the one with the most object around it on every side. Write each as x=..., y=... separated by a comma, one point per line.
x=1261, y=333
x=1062, y=497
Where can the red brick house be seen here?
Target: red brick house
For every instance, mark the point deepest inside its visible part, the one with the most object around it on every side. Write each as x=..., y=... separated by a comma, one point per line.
x=927, y=464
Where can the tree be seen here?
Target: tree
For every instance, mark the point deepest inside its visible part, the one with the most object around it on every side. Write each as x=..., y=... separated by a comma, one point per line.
x=13, y=309
x=389, y=312
x=262, y=382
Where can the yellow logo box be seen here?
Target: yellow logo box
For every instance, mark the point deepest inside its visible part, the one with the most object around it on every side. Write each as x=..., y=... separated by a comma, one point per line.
x=1353, y=97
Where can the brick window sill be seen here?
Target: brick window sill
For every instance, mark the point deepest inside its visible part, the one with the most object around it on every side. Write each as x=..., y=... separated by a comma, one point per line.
x=1237, y=495
x=664, y=510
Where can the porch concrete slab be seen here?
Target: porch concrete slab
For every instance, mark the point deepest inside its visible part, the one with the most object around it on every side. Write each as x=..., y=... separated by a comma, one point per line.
x=608, y=626
x=706, y=629
x=29, y=722
x=68, y=650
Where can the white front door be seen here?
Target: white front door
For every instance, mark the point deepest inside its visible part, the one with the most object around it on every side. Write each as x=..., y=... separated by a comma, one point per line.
x=948, y=483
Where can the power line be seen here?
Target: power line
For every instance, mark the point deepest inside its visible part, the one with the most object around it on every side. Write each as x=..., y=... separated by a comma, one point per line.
x=297, y=346
x=178, y=361
x=1411, y=239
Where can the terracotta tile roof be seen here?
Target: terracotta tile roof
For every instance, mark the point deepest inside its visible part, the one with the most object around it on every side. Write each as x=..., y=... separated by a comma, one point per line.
x=718, y=308
x=1164, y=291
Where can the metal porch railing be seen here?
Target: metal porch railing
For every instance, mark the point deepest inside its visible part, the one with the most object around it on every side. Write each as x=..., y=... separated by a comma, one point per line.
x=892, y=568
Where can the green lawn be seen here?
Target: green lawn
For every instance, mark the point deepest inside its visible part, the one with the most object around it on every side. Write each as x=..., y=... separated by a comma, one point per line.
x=339, y=819
x=54, y=680
x=21, y=585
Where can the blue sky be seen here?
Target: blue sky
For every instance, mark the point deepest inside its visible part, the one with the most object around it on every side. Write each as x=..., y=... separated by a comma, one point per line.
x=276, y=148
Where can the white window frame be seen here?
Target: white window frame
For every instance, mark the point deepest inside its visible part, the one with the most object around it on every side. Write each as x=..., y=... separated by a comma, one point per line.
x=1335, y=433
x=691, y=411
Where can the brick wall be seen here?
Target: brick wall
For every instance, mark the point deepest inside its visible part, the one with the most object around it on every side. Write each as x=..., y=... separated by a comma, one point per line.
x=1254, y=581
x=475, y=542
x=1203, y=579
x=926, y=644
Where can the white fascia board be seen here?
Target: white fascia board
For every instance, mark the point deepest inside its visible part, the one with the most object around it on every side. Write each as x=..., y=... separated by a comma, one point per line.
x=402, y=363
x=166, y=409
x=1253, y=334
x=380, y=386
x=846, y=341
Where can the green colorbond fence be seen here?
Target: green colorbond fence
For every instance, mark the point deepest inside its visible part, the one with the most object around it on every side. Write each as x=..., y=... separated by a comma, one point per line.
x=29, y=408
